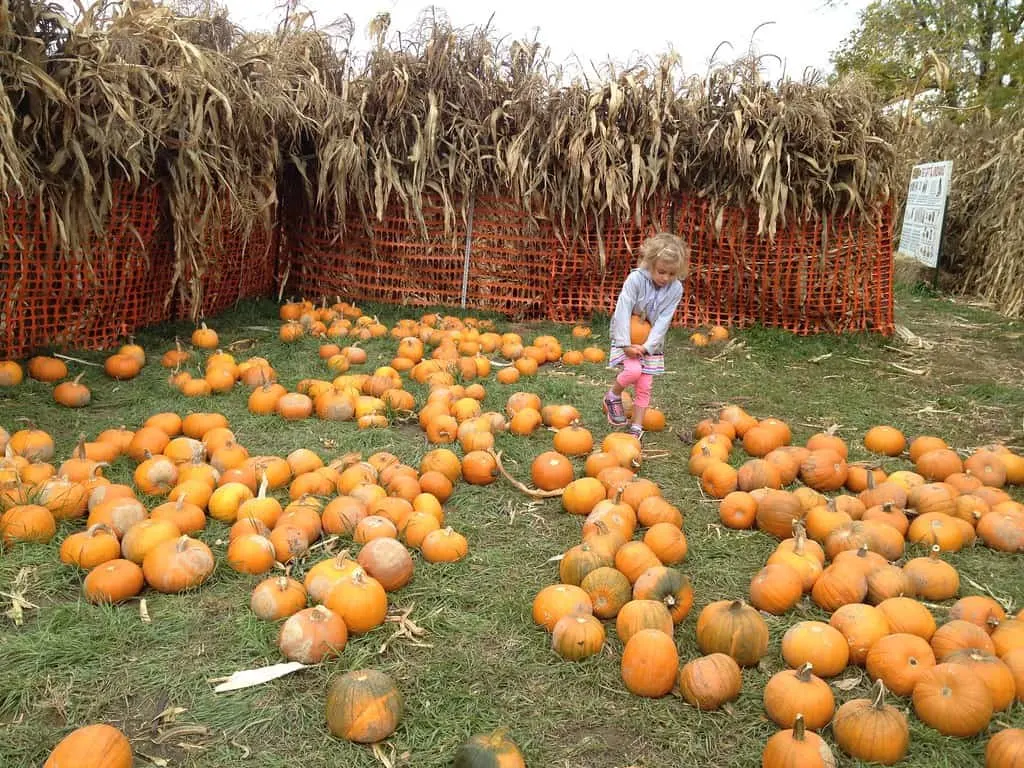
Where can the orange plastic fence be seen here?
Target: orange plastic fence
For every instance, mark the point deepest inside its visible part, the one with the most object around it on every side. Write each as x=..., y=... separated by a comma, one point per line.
x=808, y=279
x=51, y=300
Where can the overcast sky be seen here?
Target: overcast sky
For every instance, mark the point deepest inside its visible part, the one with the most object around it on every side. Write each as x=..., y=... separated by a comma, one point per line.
x=803, y=35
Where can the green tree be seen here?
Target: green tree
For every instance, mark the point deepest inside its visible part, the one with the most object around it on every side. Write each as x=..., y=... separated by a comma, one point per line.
x=971, y=50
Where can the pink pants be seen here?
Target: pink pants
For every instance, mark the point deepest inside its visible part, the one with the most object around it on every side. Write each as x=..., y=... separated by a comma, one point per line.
x=632, y=374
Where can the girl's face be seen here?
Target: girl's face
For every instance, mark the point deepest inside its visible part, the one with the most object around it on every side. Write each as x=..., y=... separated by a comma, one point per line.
x=663, y=273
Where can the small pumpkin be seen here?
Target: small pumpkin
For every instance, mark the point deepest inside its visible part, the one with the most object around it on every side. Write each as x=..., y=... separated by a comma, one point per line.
x=177, y=565
x=113, y=582
x=643, y=614
x=312, y=634
x=862, y=626
x=72, y=394
x=797, y=747
x=388, y=561
x=608, y=590
x=277, y=598
x=558, y=600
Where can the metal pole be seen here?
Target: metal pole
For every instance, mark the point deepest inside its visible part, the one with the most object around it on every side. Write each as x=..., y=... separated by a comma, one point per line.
x=469, y=243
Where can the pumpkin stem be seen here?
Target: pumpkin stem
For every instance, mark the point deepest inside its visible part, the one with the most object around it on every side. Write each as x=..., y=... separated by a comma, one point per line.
x=263, y=486
x=935, y=551
x=737, y=605
x=282, y=583
x=78, y=378
x=533, y=492
x=863, y=550
x=804, y=674
x=80, y=447
x=342, y=556
x=182, y=543
x=181, y=503
x=871, y=480
x=798, y=727
x=879, y=702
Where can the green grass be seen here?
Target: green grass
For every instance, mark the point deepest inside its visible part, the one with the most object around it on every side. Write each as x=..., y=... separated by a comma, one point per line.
x=484, y=663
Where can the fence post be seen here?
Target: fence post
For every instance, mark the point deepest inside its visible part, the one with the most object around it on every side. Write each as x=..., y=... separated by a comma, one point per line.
x=469, y=244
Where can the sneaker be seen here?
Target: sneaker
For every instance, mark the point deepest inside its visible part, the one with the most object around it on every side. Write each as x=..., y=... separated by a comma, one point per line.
x=613, y=407
x=636, y=431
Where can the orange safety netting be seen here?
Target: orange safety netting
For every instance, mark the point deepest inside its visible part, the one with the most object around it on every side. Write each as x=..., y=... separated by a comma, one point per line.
x=808, y=279
x=48, y=298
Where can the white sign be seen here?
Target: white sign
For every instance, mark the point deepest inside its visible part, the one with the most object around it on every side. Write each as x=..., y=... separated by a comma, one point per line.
x=926, y=207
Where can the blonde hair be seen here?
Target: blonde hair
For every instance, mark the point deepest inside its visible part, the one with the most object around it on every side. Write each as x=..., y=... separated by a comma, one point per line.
x=666, y=248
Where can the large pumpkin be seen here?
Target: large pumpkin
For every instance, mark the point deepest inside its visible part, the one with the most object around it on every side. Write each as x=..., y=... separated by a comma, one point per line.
x=899, y=660
x=710, y=681
x=1005, y=749
x=363, y=706
x=92, y=746
x=650, y=663
x=492, y=750
x=734, y=628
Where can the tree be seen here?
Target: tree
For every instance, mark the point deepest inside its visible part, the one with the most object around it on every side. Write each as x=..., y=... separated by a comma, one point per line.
x=971, y=50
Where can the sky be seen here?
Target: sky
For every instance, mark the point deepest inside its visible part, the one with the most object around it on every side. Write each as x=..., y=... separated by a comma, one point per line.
x=804, y=32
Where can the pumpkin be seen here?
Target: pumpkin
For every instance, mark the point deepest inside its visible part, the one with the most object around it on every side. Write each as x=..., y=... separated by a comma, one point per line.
x=277, y=598
x=939, y=529
x=888, y=581
x=113, y=582
x=494, y=750
x=838, y=585
x=312, y=634
x=885, y=440
x=958, y=635
x=995, y=673
x=47, y=369
x=11, y=375
x=988, y=467
x=667, y=542
x=777, y=511
x=933, y=579
x=31, y=443
x=576, y=637
x=980, y=610
x=388, y=561
x=776, y=588
x=650, y=663
x=718, y=480
x=27, y=523
x=642, y=614
x=1008, y=636
x=1002, y=531
x=634, y=558
x=72, y=394
x=797, y=747
x=608, y=590
x=862, y=626
x=938, y=464
x=738, y=510
x=558, y=600
x=364, y=706
x=444, y=546
x=92, y=746
x=824, y=470
x=758, y=473
x=898, y=660
x=1005, y=749
x=146, y=534
x=668, y=586
x=734, y=628
x=94, y=546
x=360, y=600
x=815, y=642
x=480, y=468
x=953, y=700
x=551, y=470
x=871, y=730
x=177, y=565
x=908, y=615
x=710, y=681
x=204, y=338
x=792, y=692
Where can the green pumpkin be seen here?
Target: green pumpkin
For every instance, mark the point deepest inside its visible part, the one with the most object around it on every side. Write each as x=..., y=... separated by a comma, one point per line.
x=492, y=750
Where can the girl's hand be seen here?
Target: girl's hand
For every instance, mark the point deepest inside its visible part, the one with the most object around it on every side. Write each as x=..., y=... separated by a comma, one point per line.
x=634, y=350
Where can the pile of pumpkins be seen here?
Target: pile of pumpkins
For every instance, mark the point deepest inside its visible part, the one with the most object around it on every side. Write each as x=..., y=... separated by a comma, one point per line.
x=842, y=552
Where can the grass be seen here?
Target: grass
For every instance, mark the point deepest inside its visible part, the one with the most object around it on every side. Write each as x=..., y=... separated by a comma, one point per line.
x=482, y=664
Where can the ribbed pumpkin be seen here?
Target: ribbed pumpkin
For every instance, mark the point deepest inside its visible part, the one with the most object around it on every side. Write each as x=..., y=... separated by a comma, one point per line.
x=953, y=700
x=27, y=523
x=932, y=577
x=1005, y=749
x=871, y=730
x=89, y=548
x=650, y=663
x=312, y=634
x=794, y=691
x=608, y=590
x=776, y=588
x=92, y=746
x=980, y=610
x=145, y=535
x=777, y=511
x=710, y=681
x=364, y=706
x=388, y=561
x=995, y=673
x=734, y=628
x=558, y=600
x=862, y=626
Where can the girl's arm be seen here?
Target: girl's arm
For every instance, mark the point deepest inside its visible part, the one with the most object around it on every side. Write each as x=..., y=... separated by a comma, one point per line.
x=656, y=338
x=623, y=309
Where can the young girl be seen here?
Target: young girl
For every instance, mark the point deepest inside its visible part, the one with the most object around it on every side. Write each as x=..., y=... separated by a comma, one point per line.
x=652, y=291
